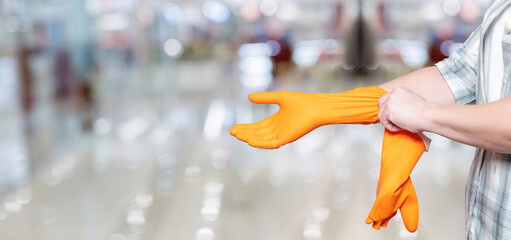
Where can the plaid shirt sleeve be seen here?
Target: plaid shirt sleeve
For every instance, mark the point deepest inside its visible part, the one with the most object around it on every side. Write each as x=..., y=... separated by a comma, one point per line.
x=460, y=69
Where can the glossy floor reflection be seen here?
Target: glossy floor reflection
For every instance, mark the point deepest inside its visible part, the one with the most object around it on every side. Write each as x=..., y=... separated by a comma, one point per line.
x=162, y=165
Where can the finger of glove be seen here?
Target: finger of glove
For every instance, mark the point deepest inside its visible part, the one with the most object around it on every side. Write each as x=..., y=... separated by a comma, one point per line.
x=369, y=220
x=247, y=127
x=240, y=127
x=386, y=221
x=264, y=134
x=265, y=98
x=243, y=136
x=261, y=129
x=376, y=225
x=265, y=144
x=410, y=211
x=258, y=140
x=246, y=137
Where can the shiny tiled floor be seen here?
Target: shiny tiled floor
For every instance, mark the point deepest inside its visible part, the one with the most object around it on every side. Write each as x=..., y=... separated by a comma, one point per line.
x=152, y=169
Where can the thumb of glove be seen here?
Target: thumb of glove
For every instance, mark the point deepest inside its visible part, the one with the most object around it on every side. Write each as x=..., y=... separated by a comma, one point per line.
x=265, y=97
x=410, y=210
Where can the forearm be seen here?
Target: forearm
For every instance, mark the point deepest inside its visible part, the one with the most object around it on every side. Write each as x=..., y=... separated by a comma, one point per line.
x=485, y=126
x=427, y=82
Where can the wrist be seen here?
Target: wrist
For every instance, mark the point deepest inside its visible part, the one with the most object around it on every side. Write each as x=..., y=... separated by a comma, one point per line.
x=430, y=115
x=357, y=106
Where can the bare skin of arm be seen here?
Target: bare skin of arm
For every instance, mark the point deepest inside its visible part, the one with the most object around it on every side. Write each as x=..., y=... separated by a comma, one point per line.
x=427, y=82
x=422, y=101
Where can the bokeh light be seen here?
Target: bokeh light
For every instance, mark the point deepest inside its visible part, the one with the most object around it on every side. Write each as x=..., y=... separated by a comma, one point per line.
x=173, y=13
x=173, y=48
x=269, y=7
x=216, y=12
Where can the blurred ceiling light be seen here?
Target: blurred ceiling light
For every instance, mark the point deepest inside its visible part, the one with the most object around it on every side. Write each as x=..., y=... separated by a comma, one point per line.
x=306, y=53
x=256, y=81
x=289, y=11
x=250, y=12
x=256, y=65
x=275, y=47
x=173, y=48
x=413, y=53
x=112, y=22
x=431, y=11
x=254, y=49
x=269, y=7
x=452, y=7
x=214, y=120
x=173, y=13
x=216, y=12
x=470, y=11
x=205, y=234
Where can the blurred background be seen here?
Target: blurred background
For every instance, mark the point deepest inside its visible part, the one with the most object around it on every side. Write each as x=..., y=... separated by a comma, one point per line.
x=115, y=117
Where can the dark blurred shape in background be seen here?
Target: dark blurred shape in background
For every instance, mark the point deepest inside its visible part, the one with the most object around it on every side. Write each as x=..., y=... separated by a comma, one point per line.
x=361, y=43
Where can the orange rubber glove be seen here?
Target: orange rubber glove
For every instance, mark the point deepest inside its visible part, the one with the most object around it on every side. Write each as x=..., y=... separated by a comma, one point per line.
x=400, y=152
x=301, y=113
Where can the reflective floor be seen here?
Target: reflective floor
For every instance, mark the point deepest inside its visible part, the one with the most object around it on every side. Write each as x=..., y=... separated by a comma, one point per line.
x=160, y=164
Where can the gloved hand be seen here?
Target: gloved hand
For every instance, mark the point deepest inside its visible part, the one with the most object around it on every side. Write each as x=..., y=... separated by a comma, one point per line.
x=301, y=113
x=400, y=152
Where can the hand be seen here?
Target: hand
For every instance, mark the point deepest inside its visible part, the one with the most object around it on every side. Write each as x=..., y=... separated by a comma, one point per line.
x=299, y=114
x=401, y=108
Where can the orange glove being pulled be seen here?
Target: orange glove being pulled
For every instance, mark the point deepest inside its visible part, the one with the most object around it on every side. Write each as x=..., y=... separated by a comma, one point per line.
x=400, y=152
x=301, y=113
